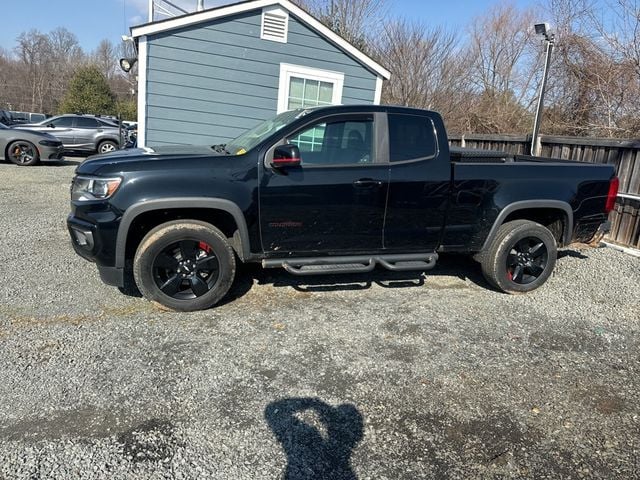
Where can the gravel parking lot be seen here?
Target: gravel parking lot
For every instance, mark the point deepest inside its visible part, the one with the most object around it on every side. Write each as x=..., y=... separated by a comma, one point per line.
x=371, y=377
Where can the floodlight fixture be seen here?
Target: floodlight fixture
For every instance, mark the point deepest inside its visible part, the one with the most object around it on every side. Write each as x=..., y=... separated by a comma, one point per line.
x=541, y=28
x=126, y=64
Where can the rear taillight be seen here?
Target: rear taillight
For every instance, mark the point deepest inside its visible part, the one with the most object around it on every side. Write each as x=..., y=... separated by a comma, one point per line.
x=612, y=195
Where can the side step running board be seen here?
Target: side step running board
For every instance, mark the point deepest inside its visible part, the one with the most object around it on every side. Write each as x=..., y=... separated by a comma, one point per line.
x=353, y=264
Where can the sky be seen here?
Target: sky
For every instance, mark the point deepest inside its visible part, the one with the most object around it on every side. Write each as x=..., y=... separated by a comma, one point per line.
x=94, y=20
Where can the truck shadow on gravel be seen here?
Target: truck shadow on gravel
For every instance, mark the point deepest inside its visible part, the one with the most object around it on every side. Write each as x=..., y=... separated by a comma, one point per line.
x=317, y=438
x=458, y=267
x=572, y=254
x=455, y=266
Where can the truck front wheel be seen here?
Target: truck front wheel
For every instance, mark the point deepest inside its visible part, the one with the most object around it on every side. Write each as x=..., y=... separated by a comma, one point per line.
x=520, y=258
x=184, y=265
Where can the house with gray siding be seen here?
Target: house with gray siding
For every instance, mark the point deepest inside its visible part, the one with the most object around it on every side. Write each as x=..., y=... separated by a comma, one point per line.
x=205, y=77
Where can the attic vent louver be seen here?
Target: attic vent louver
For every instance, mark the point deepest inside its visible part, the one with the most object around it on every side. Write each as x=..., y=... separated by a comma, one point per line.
x=275, y=25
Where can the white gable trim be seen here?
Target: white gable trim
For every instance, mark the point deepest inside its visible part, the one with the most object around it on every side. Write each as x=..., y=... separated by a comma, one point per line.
x=142, y=91
x=378, y=95
x=221, y=12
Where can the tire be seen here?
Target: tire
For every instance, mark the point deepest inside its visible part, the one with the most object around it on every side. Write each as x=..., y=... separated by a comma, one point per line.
x=23, y=153
x=107, y=146
x=520, y=258
x=184, y=265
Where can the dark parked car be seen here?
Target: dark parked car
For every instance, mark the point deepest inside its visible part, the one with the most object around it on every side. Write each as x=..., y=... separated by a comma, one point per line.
x=83, y=133
x=24, y=147
x=7, y=119
x=329, y=190
x=28, y=117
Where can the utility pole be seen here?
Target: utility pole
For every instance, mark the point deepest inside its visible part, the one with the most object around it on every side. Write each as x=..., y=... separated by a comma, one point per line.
x=549, y=40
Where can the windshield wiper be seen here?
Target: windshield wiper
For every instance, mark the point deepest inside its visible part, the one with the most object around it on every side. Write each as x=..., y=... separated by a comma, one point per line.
x=220, y=148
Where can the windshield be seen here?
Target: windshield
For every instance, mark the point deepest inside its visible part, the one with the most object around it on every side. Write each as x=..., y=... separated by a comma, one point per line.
x=260, y=132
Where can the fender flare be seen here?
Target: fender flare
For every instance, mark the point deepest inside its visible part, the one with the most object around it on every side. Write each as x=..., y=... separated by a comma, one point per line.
x=136, y=209
x=531, y=204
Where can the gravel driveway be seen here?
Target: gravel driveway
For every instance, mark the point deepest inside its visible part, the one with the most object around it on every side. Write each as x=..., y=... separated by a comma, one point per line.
x=370, y=377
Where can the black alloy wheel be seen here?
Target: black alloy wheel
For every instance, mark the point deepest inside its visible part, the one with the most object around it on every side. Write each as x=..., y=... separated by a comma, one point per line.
x=184, y=265
x=520, y=257
x=186, y=269
x=23, y=153
x=527, y=260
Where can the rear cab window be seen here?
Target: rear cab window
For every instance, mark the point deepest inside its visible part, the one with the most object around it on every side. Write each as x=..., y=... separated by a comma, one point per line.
x=86, y=123
x=103, y=123
x=411, y=137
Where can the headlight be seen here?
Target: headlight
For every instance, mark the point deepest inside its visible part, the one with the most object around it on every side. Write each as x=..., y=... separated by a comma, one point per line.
x=93, y=188
x=50, y=143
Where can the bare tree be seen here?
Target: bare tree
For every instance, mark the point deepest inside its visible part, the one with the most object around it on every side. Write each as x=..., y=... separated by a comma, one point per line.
x=354, y=20
x=620, y=29
x=504, y=68
x=67, y=56
x=6, y=73
x=105, y=58
x=65, y=47
x=427, y=67
x=34, y=53
x=595, y=79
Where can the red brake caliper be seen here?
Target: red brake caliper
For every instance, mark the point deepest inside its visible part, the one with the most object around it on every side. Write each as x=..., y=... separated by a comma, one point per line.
x=205, y=247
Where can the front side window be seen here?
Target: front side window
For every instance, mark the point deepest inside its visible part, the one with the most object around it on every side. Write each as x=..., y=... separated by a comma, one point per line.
x=411, y=137
x=343, y=142
x=64, y=122
x=302, y=87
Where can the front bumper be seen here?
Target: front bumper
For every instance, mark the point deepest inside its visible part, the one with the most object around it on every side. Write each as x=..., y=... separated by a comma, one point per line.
x=93, y=228
x=51, y=153
x=111, y=275
x=88, y=242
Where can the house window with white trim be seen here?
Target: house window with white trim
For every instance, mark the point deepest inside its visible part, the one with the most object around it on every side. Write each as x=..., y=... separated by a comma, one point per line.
x=302, y=87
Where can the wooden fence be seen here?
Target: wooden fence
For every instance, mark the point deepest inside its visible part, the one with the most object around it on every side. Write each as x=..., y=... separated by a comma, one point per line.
x=623, y=154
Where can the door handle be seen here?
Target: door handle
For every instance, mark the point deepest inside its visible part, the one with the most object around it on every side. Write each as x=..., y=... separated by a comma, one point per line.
x=367, y=183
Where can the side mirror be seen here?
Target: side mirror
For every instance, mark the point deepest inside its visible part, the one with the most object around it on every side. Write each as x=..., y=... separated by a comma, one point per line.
x=51, y=125
x=286, y=156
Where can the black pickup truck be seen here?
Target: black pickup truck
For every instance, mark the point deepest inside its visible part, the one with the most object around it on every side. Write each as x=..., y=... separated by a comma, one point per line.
x=329, y=190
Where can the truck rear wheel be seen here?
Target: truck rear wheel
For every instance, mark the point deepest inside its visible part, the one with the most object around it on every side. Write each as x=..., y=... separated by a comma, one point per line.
x=520, y=258
x=184, y=265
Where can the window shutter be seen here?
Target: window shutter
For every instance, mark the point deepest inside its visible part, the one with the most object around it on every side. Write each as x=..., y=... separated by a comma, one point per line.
x=275, y=25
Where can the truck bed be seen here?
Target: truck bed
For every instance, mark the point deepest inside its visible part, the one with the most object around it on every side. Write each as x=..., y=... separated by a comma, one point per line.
x=472, y=155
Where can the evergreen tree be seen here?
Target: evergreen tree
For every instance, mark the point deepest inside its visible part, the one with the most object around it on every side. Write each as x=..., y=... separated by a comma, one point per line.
x=89, y=92
x=128, y=110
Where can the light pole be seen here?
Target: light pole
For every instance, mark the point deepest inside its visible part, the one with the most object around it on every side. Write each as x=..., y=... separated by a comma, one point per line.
x=549, y=40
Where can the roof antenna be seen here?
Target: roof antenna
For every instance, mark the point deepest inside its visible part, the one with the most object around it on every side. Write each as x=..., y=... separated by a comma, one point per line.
x=200, y=5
